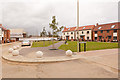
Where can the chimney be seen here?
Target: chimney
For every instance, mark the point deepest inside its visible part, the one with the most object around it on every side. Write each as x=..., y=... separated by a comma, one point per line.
x=0, y=24
x=97, y=24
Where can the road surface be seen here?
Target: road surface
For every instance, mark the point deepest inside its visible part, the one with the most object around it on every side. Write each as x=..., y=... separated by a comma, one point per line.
x=81, y=68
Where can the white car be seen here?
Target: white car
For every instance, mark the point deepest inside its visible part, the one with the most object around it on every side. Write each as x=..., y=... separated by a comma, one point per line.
x=26, y=43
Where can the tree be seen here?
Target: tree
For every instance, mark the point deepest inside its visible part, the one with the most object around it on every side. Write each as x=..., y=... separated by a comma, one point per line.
x=49, y=34
x=54, y=27
x=43, y=33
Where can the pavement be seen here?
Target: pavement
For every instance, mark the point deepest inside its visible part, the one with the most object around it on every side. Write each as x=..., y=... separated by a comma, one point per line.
x=91, y=64
x=108, y=57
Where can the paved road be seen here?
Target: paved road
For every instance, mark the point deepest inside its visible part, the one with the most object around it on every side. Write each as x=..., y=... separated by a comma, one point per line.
x=70, y=69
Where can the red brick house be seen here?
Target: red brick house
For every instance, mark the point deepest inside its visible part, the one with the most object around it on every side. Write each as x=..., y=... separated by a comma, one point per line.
x=5, y=34
x=106, y=32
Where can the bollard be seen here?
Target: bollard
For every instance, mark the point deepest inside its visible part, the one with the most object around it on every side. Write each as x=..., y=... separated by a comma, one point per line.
x=15, y=53
x=39, y=54
x=14, y=47
x=10, y=50
x=69, y=53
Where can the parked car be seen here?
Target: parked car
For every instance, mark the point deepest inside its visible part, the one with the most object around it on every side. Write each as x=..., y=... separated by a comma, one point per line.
x=26, y=43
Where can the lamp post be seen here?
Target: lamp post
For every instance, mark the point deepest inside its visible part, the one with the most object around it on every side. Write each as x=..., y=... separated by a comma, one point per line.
x=77, y=26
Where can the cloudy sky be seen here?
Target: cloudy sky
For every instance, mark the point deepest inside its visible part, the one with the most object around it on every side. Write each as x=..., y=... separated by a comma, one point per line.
x=33, y=15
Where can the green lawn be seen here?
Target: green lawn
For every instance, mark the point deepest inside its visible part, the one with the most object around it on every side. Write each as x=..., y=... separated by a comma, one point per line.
x=43, y=43
x=72, y=45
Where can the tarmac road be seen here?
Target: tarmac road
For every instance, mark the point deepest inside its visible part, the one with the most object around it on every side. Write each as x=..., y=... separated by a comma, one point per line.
x=70, y=69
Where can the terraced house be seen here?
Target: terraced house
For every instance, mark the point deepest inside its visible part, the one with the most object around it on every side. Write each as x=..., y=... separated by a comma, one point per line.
x=82, y=33
x=107, y=32
x=69, y=33
x=85, y=33
x=4, y=34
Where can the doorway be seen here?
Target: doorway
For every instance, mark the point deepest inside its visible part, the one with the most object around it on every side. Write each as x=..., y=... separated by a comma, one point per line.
x=82, y=38
x=67, y=37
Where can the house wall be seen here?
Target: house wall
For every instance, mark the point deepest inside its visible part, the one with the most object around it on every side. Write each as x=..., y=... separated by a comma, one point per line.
x=105, y=35
x=64, y=34
x=5, y=36
x=85, y=33
x=15, y=34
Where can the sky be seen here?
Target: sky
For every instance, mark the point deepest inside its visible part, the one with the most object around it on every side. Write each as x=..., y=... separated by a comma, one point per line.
x=33, y=15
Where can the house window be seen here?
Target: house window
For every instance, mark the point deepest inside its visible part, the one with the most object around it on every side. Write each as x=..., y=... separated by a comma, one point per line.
x=107, y=31
x=103, y=37
x=101, y=31
x=115, y=30
x=87, y=38
x=67, y=33
x=109, y=37
x=71, y=37
x=71, y=32
x=87, y=32
x=114, y=38
x=82, y=32
x=64, y=33
x=99, y=27
x=95, y=32
x=100, y=37
x=95, y=38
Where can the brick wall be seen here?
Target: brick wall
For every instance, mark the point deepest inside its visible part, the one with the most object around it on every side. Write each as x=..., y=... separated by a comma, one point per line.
x=105, y=34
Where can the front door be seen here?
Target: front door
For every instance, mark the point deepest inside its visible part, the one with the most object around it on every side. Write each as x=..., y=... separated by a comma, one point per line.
x=67, y=37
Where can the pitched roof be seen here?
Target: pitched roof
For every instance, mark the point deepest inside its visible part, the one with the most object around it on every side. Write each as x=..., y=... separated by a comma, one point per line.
x=90, y=27
x=69, y=29
x=3, y=28
x=108, y=26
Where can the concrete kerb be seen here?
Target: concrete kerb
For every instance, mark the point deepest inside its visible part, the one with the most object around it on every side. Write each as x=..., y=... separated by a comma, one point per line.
x=22, y=59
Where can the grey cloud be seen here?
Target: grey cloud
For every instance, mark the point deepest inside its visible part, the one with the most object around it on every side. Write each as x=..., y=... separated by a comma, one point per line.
x=35, y=15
